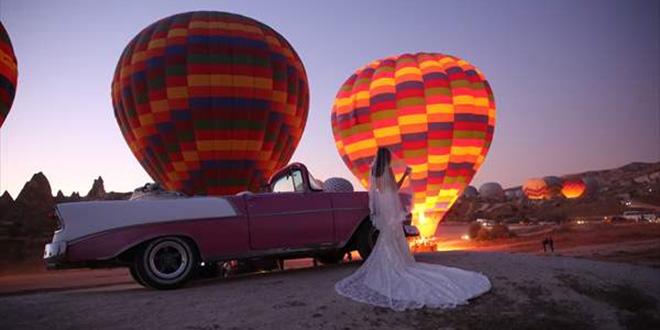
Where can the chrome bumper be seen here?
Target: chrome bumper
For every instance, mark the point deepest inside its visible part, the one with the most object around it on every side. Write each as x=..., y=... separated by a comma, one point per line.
x=54, y=253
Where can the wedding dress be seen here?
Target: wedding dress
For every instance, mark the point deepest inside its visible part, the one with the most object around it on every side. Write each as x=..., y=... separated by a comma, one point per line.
x=390, y=277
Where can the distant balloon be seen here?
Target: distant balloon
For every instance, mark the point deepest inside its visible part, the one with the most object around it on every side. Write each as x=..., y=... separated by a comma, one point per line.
x=337, y=185
x=210, y=103
x=8, y=74
x=514, y=193
x=491, y=191
x=573, y=188
x=554, y=185
x=535, y=188
x=470, y=192
x=434, y=111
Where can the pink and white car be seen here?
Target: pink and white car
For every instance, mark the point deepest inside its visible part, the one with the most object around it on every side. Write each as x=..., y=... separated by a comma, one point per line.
x=164, y=241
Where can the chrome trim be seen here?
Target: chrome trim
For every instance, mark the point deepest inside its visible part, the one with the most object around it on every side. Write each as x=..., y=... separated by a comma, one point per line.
x=53, y=252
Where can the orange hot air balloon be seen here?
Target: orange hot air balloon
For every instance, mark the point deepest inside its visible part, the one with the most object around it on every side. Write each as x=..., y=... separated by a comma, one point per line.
x=535, y=188
x=573, y=188
x=434, y=111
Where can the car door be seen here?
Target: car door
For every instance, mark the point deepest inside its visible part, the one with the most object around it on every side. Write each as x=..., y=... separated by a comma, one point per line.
x=291, y=217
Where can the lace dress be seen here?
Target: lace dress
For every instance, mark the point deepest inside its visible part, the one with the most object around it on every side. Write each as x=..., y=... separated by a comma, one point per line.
x=390, y=277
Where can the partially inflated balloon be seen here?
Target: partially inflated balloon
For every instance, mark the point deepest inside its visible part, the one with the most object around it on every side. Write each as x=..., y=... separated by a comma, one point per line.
x=435, y=111
x=470, y=192
x=8, y=74
x=491, y=191
x=210, y=102
x=535, y=188
x=554, y=185
x=573, y=188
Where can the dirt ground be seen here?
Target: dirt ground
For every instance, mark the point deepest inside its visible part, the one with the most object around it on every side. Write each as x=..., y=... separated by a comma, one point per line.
x=529, y=292
x=618, y=288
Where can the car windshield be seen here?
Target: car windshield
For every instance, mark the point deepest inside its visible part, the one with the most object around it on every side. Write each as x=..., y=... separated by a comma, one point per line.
x=314, y=183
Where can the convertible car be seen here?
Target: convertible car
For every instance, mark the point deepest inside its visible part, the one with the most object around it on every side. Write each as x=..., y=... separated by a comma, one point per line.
x=165, y=240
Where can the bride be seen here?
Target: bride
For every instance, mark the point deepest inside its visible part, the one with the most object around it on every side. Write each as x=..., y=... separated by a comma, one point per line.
x=390, y=277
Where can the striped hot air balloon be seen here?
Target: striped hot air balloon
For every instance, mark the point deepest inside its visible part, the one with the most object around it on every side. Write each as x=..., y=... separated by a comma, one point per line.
x=210, y=103
x=535, y=188
x=435, y=111
x=8, y=74
x=573, y=188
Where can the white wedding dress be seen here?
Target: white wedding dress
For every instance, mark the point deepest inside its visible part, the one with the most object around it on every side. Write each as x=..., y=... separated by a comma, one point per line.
x=390, y=277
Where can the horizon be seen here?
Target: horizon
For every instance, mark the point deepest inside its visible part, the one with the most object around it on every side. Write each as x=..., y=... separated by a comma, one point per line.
x=576, y=77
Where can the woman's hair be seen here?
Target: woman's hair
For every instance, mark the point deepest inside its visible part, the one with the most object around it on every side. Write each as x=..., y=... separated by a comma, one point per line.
x=382, y=161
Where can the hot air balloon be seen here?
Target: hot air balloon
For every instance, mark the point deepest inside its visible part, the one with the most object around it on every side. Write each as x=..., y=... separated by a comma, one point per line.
x=470, y=192
x=8, y=74
x=514, y=193
x=573, y=188
x=491, y=191
x=434, y=111
x=210, y=103
x=554, y=185
x=535, y=188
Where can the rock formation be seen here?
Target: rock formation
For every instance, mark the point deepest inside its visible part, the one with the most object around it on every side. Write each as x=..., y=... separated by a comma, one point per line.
x=97, y=192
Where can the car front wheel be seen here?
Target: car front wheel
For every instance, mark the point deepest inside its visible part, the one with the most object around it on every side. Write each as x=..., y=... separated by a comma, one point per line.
x=165, y=263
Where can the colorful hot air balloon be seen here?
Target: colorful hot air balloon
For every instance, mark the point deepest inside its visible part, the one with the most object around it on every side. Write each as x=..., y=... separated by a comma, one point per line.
x=491, y=191
x=554, y=185
x=210, y=103
x=434, y=111
x=573, y=188
x=535, y=188
x=8, y=74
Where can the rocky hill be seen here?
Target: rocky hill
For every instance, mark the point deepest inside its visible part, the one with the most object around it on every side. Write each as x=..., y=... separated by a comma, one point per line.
x=638, y=182
x=29, y=214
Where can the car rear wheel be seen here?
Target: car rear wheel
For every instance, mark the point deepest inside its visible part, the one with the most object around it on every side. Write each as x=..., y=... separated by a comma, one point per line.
x=366, y=240
x=135, y=276
x=166, y=263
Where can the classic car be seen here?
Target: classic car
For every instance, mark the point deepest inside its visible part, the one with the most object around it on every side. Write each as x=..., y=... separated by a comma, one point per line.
x=166, y=240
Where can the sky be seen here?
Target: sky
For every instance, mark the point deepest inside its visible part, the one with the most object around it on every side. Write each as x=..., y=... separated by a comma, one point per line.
x=577, y=83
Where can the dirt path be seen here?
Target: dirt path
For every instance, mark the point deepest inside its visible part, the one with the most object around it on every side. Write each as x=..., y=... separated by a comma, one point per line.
x=529, y=292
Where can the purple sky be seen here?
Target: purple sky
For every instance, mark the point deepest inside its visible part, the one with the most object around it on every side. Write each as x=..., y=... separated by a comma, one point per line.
x=577, y=83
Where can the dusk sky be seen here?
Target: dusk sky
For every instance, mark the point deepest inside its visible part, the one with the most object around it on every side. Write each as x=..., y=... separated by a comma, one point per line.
x=577, y=83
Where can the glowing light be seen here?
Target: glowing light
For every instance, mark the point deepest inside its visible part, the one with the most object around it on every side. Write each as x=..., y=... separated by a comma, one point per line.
x=425, y=225
x=573, y=188
x=434, y=111
x=465, y=237
x=423, y=244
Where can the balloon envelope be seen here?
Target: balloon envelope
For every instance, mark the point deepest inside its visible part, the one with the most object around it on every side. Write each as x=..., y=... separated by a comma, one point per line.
x=8, y=74
x=470, y=192
x=492, y=191
x=210, y=103
x=554, y=185
x=435, y=111
x=535, y=188
x=573, y=188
